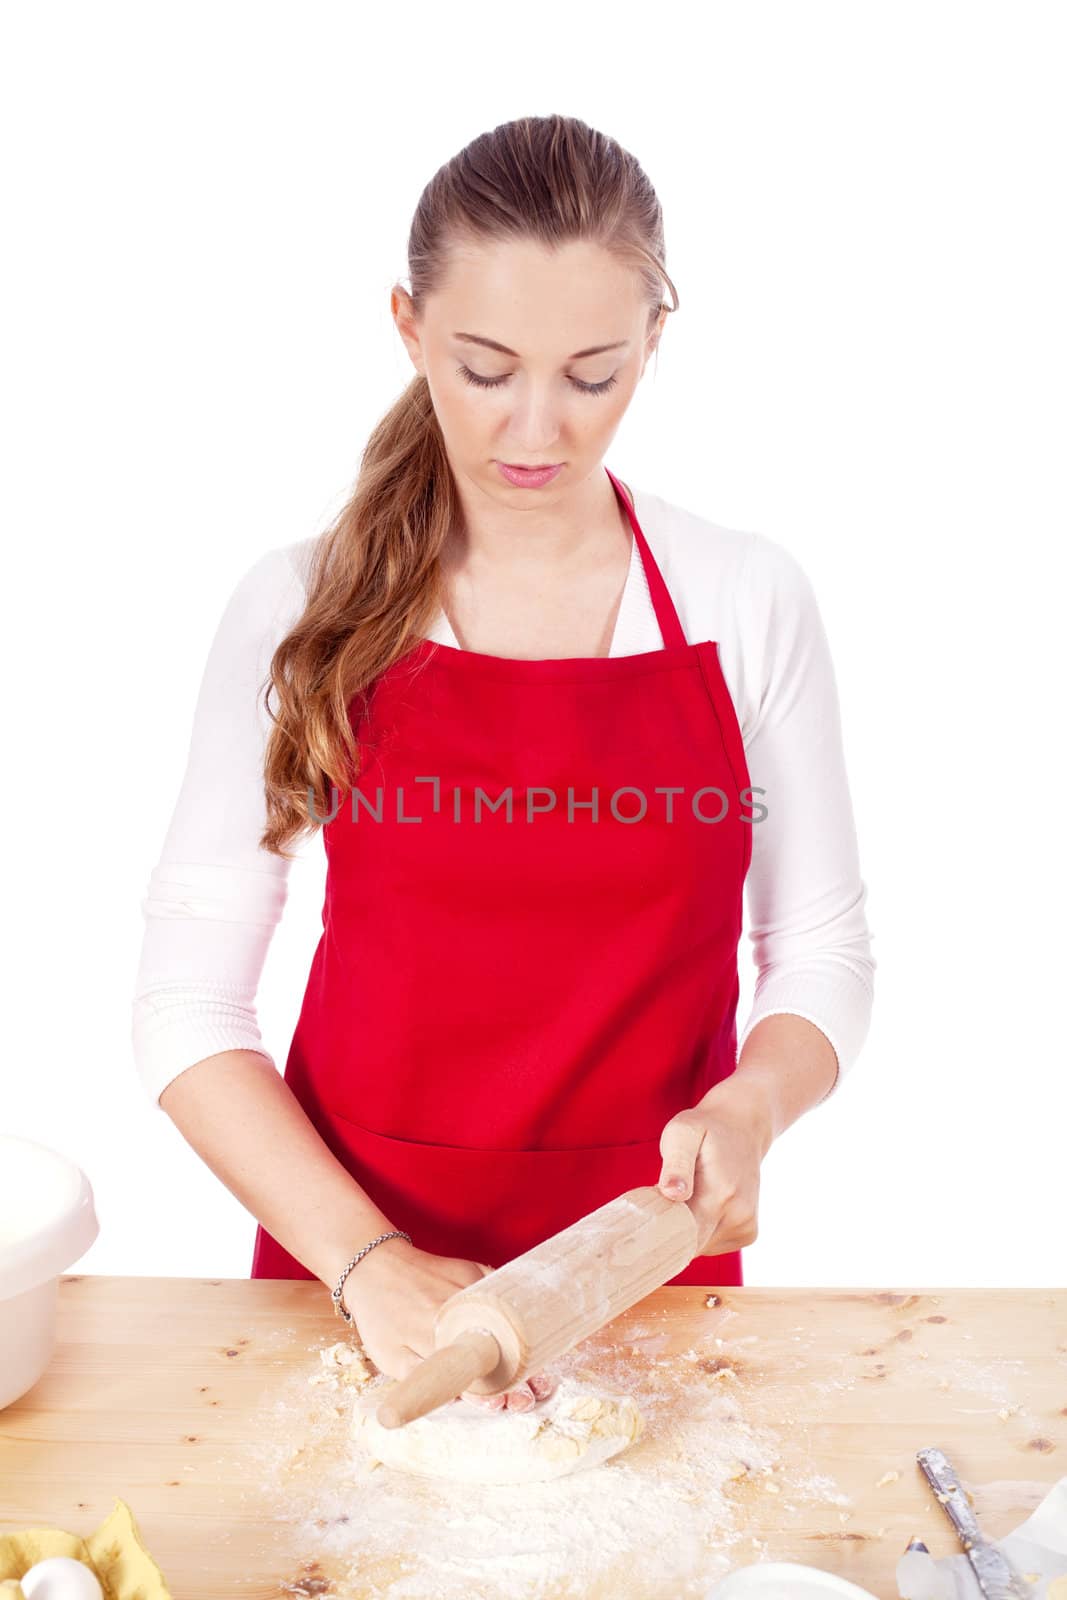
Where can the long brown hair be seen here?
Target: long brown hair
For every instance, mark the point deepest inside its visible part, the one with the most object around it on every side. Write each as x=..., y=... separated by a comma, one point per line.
x=374, y=583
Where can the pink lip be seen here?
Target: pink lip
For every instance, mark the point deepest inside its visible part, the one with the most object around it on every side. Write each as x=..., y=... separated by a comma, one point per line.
x=528, y=477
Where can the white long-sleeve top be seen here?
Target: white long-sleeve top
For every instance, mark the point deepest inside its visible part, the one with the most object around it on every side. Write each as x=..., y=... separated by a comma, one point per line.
x=215, y=896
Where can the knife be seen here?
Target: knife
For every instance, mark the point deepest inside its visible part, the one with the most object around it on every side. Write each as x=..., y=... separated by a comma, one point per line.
x=995, y=1576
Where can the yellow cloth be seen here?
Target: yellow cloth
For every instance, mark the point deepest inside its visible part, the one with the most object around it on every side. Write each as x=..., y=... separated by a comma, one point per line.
x=115, y=1552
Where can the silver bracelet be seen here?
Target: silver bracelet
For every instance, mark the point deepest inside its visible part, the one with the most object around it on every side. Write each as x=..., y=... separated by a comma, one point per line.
x=335, y=1293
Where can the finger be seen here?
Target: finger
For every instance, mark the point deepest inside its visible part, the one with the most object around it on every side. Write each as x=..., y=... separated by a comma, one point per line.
x=733, y=1231
x=708, y=1216
x=407, y=1359
x=521, y=1398
x=486, y=1402
x=524, y=1396
x=679, y=1143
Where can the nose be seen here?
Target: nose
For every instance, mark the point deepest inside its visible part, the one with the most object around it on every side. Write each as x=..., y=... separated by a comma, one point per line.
x=533, y=428
x=531, y=436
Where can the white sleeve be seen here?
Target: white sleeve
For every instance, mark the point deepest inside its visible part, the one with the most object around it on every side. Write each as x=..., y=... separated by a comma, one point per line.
x=215, y=896
x=806, y=898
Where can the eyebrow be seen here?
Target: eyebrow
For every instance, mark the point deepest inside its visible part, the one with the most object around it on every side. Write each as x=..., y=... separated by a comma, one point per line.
x=492, y=344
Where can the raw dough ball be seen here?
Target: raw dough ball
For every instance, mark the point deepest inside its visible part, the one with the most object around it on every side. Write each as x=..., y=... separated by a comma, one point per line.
x=578, y=1426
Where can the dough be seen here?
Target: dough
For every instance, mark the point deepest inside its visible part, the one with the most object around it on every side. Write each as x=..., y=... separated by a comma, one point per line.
x=578, y=1426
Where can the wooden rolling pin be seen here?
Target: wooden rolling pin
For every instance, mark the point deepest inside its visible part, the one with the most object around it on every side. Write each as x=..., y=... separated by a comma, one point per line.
x=491, y=1334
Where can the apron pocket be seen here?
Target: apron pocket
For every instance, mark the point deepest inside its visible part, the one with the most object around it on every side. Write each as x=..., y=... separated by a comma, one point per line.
x=487, y=1205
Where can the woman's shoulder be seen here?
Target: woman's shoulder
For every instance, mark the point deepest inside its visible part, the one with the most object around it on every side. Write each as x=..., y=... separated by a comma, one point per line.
x=714, y=569
x=283, y=567
x=276, y=581
x=712, y=562
x=264, y=602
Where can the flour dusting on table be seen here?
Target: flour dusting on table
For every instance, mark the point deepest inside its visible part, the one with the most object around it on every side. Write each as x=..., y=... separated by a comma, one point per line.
x=666, y=1518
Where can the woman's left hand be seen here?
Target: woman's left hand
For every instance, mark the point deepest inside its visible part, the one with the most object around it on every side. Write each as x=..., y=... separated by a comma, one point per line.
x=714, y=1151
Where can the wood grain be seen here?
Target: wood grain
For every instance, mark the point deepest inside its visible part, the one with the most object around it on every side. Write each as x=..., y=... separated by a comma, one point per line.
x=156, y=1383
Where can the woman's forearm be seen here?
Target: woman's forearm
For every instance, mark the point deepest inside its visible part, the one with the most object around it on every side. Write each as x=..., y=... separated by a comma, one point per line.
x=239, y=1114
x=787, y=1066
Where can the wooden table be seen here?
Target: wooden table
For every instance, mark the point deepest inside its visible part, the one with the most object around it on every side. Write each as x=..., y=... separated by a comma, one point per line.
x=165, y=1392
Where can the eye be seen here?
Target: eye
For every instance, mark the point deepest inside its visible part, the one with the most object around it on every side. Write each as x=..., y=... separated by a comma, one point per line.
x=495, y=383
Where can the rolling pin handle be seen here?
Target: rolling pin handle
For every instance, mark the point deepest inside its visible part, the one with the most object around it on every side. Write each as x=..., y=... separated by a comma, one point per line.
x=440, y=1378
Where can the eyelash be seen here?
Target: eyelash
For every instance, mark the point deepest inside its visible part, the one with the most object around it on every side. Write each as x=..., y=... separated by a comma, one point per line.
x=494, y=383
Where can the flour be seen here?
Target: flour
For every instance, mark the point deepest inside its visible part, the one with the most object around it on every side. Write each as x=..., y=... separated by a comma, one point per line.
x=667, y=1518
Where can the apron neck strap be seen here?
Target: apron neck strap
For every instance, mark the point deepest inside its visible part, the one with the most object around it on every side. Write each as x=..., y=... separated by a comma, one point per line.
x=666, y=614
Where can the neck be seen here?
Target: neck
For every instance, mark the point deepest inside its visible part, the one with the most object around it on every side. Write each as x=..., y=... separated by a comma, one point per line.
x=587, y=528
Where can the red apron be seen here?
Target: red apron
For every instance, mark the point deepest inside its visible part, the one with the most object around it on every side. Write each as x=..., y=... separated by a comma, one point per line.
x=509, y=1001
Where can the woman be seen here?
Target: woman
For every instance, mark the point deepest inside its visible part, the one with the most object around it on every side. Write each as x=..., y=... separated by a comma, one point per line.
x=548, y=726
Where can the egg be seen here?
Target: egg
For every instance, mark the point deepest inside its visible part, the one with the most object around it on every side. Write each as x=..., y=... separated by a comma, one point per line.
x=61, y=1578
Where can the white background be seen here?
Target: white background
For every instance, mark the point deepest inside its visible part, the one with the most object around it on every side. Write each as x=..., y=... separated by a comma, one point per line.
x=206, y=206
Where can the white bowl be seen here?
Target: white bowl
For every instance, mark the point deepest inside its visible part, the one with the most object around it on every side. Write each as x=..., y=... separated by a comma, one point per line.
x=47, y=1222
x=785, y=1580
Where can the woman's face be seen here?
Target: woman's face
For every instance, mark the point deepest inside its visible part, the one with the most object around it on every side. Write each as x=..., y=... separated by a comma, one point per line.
x=553, y=394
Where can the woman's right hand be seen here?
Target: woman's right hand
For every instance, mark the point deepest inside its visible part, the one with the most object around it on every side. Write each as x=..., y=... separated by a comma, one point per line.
x=394, y=1294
